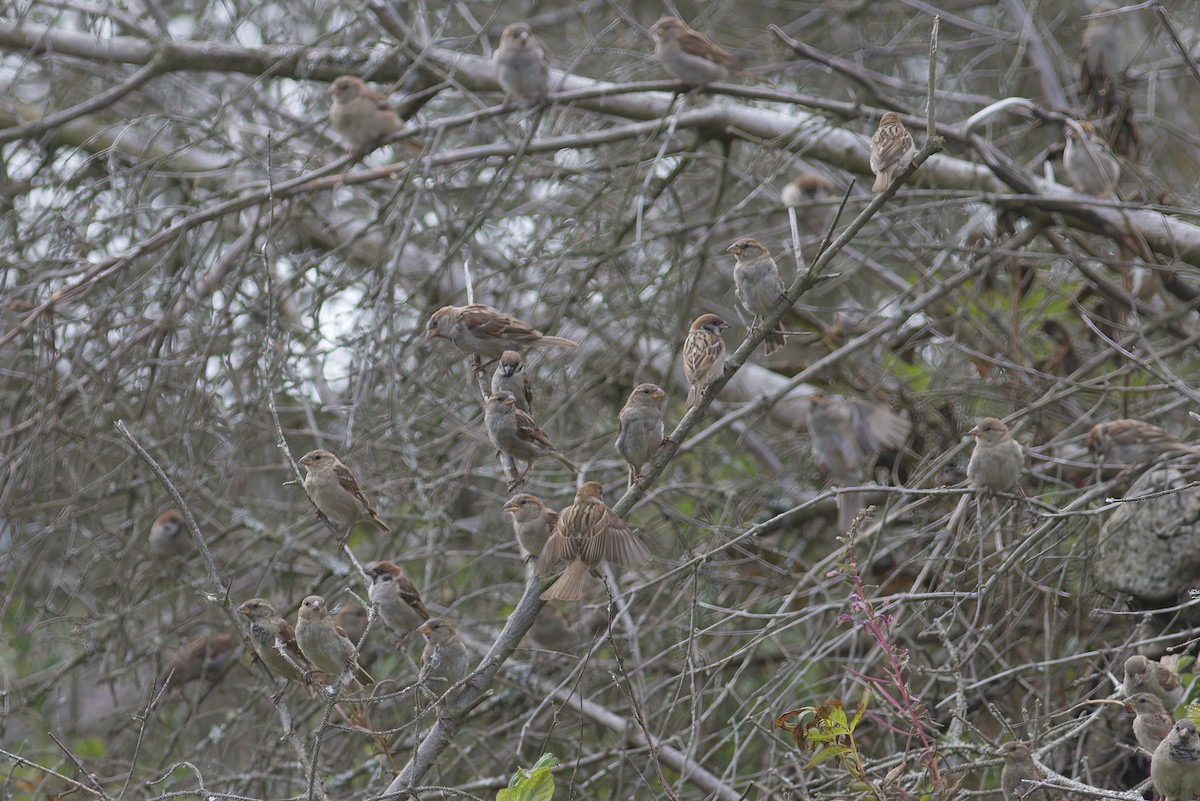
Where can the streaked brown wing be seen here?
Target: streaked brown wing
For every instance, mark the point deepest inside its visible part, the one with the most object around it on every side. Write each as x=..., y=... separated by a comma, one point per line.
x=609, y=539
x=288, y=636
x=410, y=595
x=893, y=146
x=495, y=323
x=697, y=44
x=530, y=430
x=350, y=484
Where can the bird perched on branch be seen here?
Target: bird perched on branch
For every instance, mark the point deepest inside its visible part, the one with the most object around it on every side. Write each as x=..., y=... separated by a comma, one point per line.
x=325, y=643
x=758, y=286
x=399, y=601
x=1161, y=678
x=892, y=150
x=169, y=539
x=1152, y=722
x=516, y=436
x=520, y=63
x=703, y=355
x=362, y=116
x=510, y=376
x=690, y=55
x=444, y=660
x=1175, y=766
x=1089, y=163
x=533, y=522
x=269, y=634
x=487, y=332
x=641, y=428
x=997, y=461
x=336, y=493
x=1133, y=442
x=1020, y=775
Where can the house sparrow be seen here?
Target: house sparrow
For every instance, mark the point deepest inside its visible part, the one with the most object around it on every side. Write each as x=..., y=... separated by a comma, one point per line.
x=997, y=461
x=804, y=187
x=1090, y=165
x=334, y=490
x=1175, y=766
x=487, y=332
x=352, y=617
x=510, y=376
x=587, y=534
x=1133, y=442
x=892, y=150
x=268, y=633
x=847, y=435
x=516, y=435
x=1161, y=678
x=1153, y=722
x=520, y=63
x=533, y=522
x=703, y=355
x=399, y=602
x=169, y=539
x=444, y=660
x=691, y=56
x=1020, y=775
x=362, y=116
x=758, y=285
x=326, y=644
x=207, y=657
x=640, y=428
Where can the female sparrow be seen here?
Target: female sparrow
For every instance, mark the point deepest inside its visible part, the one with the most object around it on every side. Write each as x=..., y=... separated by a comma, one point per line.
x=444, y=661
x=1153, y=722
x=399, y=602
x=521, y=64
x=758, y=285
x=1020, y=775
x=1161, y=678
x=488, y=332
x=207, y=657
x=516, y=435
x=168, y=537
x=1132, y=442
x=510, y=376
x=587, y=534
x=325, y=643
x=691, y=56
x=1175, y=766
x=533, y=522
x=703, y=355
x=1090, y=165
x=640, y=428
x=847, y=435
x=335, y=492
x=997, y=461
x=892, y=150
x=362, y=116
x=269, y=633
x=806, y=186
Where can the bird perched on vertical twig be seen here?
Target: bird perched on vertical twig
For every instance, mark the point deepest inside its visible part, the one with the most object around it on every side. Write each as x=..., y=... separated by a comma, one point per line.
x=690, y=55
x=399, y=601
x=758, y=286
x=510, y=376
x=641, y=428
x=703, y=355
x=892, y=150
x=326, y=644
x=336, y=493
x=444, y=661
x=269, y=633
x=520, y=63
x=516, y=436
x=533, y=522
x=587, y=534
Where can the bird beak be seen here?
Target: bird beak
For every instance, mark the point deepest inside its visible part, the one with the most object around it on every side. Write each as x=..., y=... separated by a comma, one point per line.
x=330, y=90
x=304, y=460
x=511, y=507
x=974, y=432
x=431, y=334
x=723, y=325
x=243, y=610
x=425, y=630
x=734, y=249
x=657, y=394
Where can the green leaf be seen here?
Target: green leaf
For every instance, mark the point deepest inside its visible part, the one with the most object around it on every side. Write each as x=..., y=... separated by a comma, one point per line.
x=824, y=755
x=535, y=784
x=862, y=707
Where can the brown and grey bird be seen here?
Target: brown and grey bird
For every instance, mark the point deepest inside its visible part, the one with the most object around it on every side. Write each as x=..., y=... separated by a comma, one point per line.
x=325, y=643
x=690, y=55
x=208, y=658
x=587, y=534
x=336, y=493
x=758, y=286
x=269, y=634
x=805, y=187
x=997, y=461
x=892, y=150
x=510, y=376
x=1020, y=775
x=514, y=434
x=399, y=602
x=1152, y=722
x=640, y=428
x=1133, y=442
x=169, y=539
x=533, y=522
x=444, y=661
x=703, y=355
x=483, y=331
x=362, y=116
x=520, y=63
x=1175, y=766
x=847, y=436
x=1161, y=678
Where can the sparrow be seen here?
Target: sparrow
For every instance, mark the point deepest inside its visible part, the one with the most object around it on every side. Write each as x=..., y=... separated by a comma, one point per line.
x=169, y=538
x=1099, y=53
x=691, y=56
x=1020, y=775
x=516, y=435
x=1133, y=442
x=640, y=428
x=997, y=461
x=703, y=355
x=533, y=522
x=804, y=187
x=847, y=435
x=352, y=617
x=510, y=376
x=269, y=632
x=326, y=644
x=588, y=533
x=1090, y=165
x=1175, y=766
x=444, y=660
x=335, y=492
x=892, y=150
x=758, y=285
x=1153, y=722
x=362, y=116
x=399, y=602
x=484, y=331
x=207, y=657
x=1160, y=678
x=520, y=63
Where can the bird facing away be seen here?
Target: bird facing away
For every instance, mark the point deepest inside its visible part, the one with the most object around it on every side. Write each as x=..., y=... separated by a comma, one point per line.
x=892, y=150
